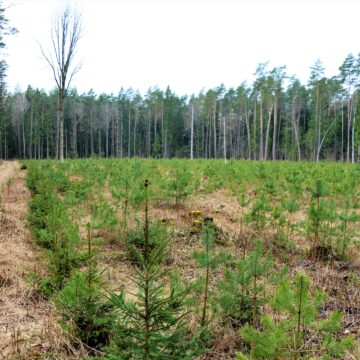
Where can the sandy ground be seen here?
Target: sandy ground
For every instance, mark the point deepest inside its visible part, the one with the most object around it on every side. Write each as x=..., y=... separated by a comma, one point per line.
x=7, y=170
x=27, y=327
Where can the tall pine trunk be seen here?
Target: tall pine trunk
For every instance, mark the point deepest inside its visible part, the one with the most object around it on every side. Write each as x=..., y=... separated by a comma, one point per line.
x=348, y=130
x=192, y=133
x=261, y=128
x=129, y=131
x=275, y=127
x=267, y=135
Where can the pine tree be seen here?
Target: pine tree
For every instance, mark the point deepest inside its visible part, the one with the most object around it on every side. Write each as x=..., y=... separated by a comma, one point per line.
x=180, y=184
x=52, y=227
x=317, y=215
x=209, y=260
x=85, y=313
x=122, y=193
x=283, y=336
x=240, y=292
x=153, y=324
x=257, y=215
x=346, y=234
x=243, y=202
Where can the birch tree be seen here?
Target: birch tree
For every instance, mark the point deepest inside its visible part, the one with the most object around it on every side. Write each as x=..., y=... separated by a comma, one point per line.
x=349, y=74
x=278, y=75
x=66, y=31
x=316, y=76
x=192, y=131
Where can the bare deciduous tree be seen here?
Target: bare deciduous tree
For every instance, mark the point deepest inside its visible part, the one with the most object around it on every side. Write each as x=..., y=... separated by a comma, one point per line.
x=66, y=30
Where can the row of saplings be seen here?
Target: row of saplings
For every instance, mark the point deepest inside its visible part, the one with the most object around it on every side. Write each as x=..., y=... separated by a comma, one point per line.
x=166, y=319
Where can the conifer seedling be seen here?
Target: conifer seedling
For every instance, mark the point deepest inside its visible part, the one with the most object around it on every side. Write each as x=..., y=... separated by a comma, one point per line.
x=240, y=292
x=282, y=336
x=209, y=261
x=152, y=325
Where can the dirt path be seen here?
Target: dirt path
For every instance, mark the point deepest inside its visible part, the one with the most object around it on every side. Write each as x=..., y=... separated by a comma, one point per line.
x=7, y=170
x=27, y=325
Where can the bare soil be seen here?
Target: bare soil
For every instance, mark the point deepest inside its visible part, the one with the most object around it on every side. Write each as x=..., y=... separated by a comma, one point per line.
x=7, y=170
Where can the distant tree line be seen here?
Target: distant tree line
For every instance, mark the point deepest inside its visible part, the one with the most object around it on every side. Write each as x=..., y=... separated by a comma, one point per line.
x=5, y=29
x=275, y=118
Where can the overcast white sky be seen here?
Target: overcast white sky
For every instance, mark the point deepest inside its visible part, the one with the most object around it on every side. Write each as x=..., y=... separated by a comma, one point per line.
x=188, y=45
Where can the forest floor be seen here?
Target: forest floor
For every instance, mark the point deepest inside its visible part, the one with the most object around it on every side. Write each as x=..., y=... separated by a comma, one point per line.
x=27, y=322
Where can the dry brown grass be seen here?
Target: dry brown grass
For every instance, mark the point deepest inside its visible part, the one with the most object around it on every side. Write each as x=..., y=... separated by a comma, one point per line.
x=28, y=324
x=336, y=278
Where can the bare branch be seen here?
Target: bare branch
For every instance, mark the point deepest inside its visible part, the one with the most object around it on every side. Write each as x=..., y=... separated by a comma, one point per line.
x=50, y=62
x=66, y=31
x=73, y=73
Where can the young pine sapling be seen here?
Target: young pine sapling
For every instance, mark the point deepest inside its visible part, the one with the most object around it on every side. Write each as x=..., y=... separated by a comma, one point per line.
x=346, y=233
x=239, y=291
x=85, y=313
x=152, y=325
x=209, y=261
x=284, y=335
x=243, y=202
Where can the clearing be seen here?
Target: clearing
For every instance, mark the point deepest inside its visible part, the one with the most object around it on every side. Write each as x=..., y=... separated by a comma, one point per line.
x=244, y=200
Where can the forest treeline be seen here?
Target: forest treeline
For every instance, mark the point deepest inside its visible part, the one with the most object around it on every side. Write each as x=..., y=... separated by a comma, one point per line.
x=275, y=117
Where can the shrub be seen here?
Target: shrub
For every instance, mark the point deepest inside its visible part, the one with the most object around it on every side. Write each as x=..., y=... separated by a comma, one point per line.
x=85, y=313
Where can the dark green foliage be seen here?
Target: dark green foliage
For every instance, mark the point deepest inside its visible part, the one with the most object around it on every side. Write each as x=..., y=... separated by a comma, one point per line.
x=295, y=179
x=160, y=332
x=42, y=207
x=34, y=179
x=85, y=312
x=52, y=229
x=317, y=214
x=59, y=180
x=319, y=190
x=135, y=242
x=63, y=259
x=291, y=205
x=212, y=177
x=270, y=344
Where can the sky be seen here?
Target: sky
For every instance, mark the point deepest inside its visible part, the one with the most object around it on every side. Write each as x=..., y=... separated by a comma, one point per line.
x=188, y=44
